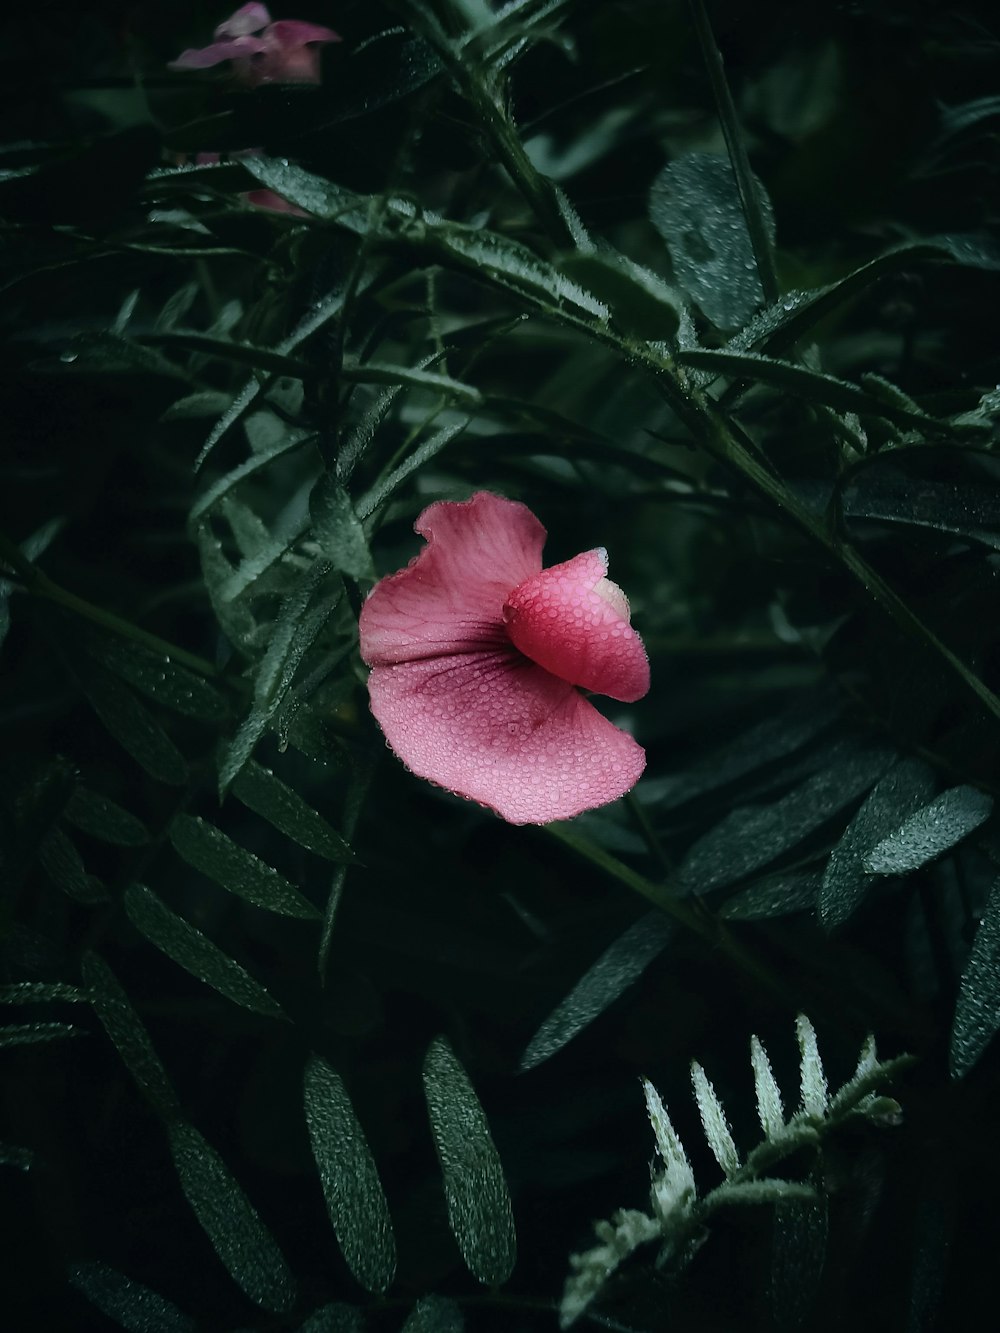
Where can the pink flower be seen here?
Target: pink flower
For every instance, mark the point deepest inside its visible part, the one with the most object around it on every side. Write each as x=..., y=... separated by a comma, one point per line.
x=476, y=656
x=262, y=51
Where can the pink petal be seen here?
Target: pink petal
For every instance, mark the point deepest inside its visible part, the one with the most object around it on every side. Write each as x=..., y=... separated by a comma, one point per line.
x=499, y=730
x=250, y=18
x=273, y=203
x=293, y=32
x=238, y=48
x=572, y=620
x=450, y=598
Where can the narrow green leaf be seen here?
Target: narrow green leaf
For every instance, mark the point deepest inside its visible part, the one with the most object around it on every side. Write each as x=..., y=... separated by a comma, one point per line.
x=334, y=1318
x=435, y=1314
x=668, y=1144
x=621, y=964
x=284, y=808
x=769, y=1190
x=121, y=1023
x=815, y=1094
x=935, y=829
x=227, y=349
x=713, y=1119
x=931, y=1246
x=812, y=385
x=160, y=679
x=131, y=1305
x=29, y=1034
x=242, y=1242
x=353, y=1192
x=479, y=1210
x=212, y=495
x=338, y=530
x=42, y=992
x=380, y=492
x=64, y=866
x=134, y=727
x=904, y=789
x=695, y=206
x=977, y=1013
x=190, y=949
x=102, y=818
x=209, y=850
x=769, y=1107
x=298, y=621
x=753, y=836
x=775, y=895
x=410, y=377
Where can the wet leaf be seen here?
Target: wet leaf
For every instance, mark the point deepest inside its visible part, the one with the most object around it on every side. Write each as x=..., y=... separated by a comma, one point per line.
x=190, y=949
x=238, y=1236
x=130, y=1304
x=134, y=728
x=102, y=818
x=158, y=677
x=977, y=1013
x=936, y=828
x=337, y=529
x=31, y=1034
x=797, y=1258
x=774, y=895
x=354, y=1197
x=435, y=1314
x=259, y=790
x=209, y=850
x=618, y=967
x=479, y=1210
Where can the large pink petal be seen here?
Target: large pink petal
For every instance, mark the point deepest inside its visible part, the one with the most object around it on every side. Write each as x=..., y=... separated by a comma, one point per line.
x=249, y=18
x=499, y=730
x=237, y=48
x=572, y=620
x=450, y=598
x=294, y=32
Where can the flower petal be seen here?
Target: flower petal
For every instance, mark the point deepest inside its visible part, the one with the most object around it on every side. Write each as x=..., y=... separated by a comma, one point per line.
x=573, y=621
x=501, y=731
x=450, y=598
x=249, y=18
x=236, y=48
x=294, y=32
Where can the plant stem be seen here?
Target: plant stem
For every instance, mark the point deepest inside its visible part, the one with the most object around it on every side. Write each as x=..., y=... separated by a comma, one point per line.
x=752, y=212
x=40, y=585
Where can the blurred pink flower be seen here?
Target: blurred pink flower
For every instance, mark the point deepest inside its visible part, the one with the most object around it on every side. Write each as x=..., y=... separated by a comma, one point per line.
x=476, y=656
x=261, y=51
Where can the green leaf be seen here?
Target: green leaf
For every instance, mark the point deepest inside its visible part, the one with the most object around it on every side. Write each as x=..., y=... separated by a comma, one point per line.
x=334, y=1318
x=676, y=1166
x=977, y=1013
x=41, y=992
x=753, y=836
x=903, y=790
x=779, y=894
x=337, y=529
x=12, y=1154
x=644, y=305
x=435, y=1314
x=64, y=866
x=815, y=1094
x=190, y=949
x=209, y=850
x=479, y=1210
x=411, y=377
x=159, y=678
x=273, y=800
x=130, y=1038
x=226, y=349
x=618, y=967
x=102, y=818
x=134, y=727
x=812, y=385
x=354, y=1197
x=242, y=1242
x=131, y=1305
x=296, y=625
x=769, y=1106
x=220, y=489
x=695, y=206
x=431, y=447
x=30, y=1034
x=193, y=406
x=713, y=1119
x=935, y=829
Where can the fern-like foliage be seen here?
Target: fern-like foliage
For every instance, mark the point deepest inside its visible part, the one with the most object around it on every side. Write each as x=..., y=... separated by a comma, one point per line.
x=679, y=1216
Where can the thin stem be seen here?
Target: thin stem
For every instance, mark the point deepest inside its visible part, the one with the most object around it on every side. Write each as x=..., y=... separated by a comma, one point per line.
x=40, y=585
x=759, y=239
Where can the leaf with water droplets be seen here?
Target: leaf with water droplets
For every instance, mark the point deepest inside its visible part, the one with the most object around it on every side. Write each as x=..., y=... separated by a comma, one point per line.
x=130, y=1304
x=935, y=829
x=621, y=964
x=102, y=818
x=815, y=1094
x=63, y=864
x=797, y=1258
x=158, y=677
x=904, y=789
x=977, y=1013
x=134, y=727
x=775, y=895
x=354, y=1197
x=209, y=850
x=259, y=790
x=334, y=1318
x=479, y=1210
x=337, y=529
x=30, y=1034
x=435, y=1314
x=695, y=206
x=190, y=949
x=718, y=1135
x=238, y=1236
